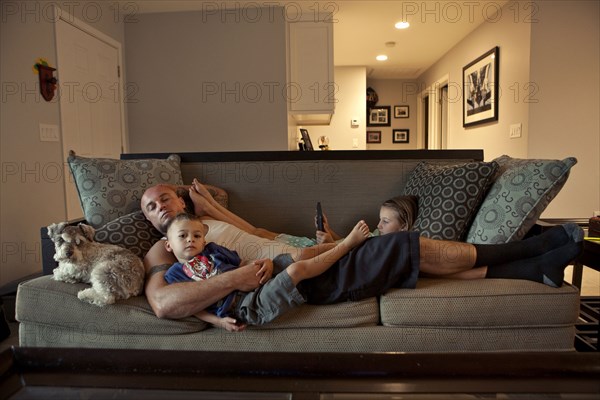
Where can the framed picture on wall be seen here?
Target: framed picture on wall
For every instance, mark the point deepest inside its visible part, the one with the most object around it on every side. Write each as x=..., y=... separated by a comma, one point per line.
x=379, y=116
x=480, y=85
x=401, y=112
x=401, y=136
x=373, y=136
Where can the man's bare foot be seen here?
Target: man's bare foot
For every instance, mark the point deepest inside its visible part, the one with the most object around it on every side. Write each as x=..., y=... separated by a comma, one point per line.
x=359, y=234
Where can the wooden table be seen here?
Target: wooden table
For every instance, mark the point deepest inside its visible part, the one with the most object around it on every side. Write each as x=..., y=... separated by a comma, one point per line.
x=133, y=374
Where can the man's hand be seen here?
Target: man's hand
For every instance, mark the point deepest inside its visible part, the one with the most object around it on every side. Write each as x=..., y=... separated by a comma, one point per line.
x=266, y=270
x=245, y=278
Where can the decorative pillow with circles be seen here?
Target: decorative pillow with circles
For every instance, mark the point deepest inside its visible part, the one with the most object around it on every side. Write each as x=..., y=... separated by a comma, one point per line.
x=110, y=188
x=131, y=231
x=448, y=196
x=521, y=192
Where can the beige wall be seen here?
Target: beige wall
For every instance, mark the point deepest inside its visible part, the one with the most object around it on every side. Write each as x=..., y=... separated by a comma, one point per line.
x=32, y=193
x=565, y=120
x=207, y=82
x=350, y=96
x=549, y=83
x=513, y=39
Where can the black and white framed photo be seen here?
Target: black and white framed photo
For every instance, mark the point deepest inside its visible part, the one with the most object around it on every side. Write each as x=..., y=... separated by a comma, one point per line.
x=480, y=86
x=401, y=136
x=379, y=116
x=373, y=136
x=401, y=112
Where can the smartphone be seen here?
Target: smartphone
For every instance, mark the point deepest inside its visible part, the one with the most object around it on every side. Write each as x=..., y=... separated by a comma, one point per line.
x=320, y=217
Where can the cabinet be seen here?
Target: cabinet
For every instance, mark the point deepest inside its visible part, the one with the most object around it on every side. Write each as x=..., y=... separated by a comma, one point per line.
x=311, y=87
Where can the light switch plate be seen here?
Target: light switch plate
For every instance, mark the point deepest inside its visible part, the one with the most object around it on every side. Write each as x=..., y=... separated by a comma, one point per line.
x=49, y=133
x=515, y=131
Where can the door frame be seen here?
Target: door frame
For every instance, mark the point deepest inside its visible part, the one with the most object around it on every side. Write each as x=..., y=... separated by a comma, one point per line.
x=60, y=14
x=435, y=140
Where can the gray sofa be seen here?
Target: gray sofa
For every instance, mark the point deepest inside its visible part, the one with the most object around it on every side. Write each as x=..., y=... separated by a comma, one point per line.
x=278, y=190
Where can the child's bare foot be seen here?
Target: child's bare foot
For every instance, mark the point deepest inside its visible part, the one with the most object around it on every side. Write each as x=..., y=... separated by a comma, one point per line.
x=359, y=234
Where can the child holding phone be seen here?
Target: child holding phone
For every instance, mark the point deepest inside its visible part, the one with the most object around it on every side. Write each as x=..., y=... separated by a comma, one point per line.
x=396, y=214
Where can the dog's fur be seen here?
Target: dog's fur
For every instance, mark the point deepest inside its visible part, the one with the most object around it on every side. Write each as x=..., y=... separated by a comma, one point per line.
x=114, y=272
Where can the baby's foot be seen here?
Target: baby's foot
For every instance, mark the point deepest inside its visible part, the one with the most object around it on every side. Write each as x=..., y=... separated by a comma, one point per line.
x=359, y=234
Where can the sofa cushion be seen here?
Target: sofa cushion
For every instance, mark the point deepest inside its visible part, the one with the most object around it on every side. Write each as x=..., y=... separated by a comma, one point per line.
x=53, y=303
x=480, y=303
x=521, y=192
x=47, y=302
x=448, y=196
x=110, y=188
x=132, y=231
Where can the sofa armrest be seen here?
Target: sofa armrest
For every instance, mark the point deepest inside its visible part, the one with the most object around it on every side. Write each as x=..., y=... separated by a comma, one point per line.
x=48, y=263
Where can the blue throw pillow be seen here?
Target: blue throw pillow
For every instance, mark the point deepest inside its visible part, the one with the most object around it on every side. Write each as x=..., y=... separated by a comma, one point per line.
x=110, y=188
x=519, y=195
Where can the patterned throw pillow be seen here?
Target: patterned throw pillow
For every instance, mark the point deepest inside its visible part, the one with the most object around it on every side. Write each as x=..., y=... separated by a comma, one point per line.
x=449, y=196
x=521, y=192
x=132, y=231
x=111, y=188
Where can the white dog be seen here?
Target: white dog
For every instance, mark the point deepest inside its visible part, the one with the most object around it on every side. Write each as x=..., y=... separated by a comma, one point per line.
x=114, y=272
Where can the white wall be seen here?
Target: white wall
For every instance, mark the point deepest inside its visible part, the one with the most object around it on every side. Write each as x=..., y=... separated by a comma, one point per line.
x=350, y=84
x=32, y=193
x=395, y=92
x=207, y=82
x=565, y=121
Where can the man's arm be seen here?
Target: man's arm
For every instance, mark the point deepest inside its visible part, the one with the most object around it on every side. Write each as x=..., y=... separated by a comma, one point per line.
x=188, y=298
x=205, y=203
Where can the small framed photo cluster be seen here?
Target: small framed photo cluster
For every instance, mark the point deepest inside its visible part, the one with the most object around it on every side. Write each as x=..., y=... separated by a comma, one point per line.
x=398, y=136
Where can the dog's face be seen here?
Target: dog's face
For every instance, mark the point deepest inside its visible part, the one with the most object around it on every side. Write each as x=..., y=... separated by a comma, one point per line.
x=70, y=240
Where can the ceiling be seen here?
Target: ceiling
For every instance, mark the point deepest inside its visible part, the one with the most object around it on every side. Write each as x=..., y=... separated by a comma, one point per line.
x=362, y=28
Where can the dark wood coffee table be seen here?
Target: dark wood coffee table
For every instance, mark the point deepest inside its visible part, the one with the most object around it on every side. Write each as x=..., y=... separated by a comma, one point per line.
x=134, y=374
x=586, y=338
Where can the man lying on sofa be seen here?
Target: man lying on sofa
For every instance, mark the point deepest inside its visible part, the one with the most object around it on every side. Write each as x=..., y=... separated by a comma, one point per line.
x=404, y=255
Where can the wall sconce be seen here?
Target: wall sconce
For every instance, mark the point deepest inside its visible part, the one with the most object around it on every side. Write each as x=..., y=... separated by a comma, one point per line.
x=47, y=81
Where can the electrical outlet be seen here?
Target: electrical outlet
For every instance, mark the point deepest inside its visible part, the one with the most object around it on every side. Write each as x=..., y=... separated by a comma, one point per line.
x=515, y=131
x=355, y=143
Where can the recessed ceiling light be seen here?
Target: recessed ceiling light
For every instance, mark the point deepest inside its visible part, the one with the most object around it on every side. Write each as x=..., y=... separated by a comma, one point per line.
x=402, y=25
x=381, y=57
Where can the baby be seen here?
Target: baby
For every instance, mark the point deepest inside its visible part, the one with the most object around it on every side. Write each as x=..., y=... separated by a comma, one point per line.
x=199, y=260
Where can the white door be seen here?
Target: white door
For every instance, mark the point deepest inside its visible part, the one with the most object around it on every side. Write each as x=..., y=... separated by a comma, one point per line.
x=90, y=100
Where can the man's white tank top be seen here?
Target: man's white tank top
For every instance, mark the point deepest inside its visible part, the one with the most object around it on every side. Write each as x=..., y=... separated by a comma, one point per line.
x=249, y=247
